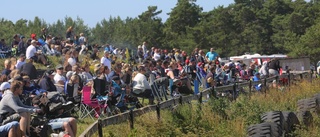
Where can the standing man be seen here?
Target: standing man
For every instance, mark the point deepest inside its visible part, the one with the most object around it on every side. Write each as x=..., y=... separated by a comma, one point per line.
x=21, y=45
x=144, y=47
x=211, y=55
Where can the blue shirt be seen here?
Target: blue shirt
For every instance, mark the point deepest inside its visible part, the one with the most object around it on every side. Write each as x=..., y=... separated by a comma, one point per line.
x=257, y=87
x=212, y=55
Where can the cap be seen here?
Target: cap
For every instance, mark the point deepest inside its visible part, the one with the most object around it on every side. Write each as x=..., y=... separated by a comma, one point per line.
x=21, y=37
x=59, y=66
x=257, y=73
x=33, y=41
x=4, y=86
x=200, y=64
x=106, y=51
x=50, y=72
x=139, y=46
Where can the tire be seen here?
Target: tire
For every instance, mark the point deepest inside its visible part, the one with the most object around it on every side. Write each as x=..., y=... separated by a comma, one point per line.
x=291, y=122
x=305, y=117
x=266, y=129
x=274, y=116
x=311, y=104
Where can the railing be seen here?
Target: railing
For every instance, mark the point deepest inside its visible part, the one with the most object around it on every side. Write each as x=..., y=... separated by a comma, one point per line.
x=129, y=115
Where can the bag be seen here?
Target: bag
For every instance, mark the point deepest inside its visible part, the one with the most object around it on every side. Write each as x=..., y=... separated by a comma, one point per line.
x=13, y=117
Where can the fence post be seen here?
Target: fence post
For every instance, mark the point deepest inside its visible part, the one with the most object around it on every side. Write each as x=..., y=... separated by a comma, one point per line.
x=158, y=111
x=250, y=85
x=277, y=82
x=301, y=76
x=100, y=128
x=265, y=86
x=311, y=76
x=234, y=91
x=131, y=119
x=180, y=100
x=289, y=79
x=200, y=100
x=213, y=94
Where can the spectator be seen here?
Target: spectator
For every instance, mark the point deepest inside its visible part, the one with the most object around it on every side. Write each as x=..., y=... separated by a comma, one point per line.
x=86, y=72
x=140, y=54
x=274, y=67
x=29, y=69
x=7, y=66
x=59, y=78
x=47, y=82
x=105, y=60
x=94, y=55
x=21, y=45
x=11, y=105
x=32, y=52
x=256, y=77
x=211, y=55
x=264, y=69
x=144, y=47
x=141, y=87
x=69, y=33
x=21, y=61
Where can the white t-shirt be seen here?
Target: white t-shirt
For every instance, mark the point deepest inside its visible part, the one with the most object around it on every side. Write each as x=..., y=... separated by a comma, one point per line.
x=156, y=56
x=31, y=50
x=72, y=61
x=140, y=82
x=58, y=78
x=19, y=64
x=106, y=62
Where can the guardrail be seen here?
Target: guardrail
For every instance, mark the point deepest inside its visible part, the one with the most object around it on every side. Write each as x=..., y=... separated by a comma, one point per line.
x=129, y=115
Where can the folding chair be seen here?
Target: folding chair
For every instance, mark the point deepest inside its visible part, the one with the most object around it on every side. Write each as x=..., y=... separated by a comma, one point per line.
x=89, y=106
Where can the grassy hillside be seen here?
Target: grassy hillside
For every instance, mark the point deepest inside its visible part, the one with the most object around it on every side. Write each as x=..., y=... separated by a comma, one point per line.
x=220, y=118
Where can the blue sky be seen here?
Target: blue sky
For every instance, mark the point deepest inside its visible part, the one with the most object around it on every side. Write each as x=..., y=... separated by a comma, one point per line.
x=92, y=11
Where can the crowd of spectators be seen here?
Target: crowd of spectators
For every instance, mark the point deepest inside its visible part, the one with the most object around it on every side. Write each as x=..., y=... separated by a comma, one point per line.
x=175, y=69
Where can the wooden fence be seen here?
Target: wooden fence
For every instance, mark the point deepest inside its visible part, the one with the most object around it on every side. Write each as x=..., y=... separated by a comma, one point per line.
x=129, y=115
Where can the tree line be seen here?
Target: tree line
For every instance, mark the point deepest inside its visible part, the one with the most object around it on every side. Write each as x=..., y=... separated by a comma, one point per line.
x=256, y=26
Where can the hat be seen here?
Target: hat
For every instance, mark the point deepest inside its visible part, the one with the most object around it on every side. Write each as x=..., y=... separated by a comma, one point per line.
x=139, y=46
x=33, y=41
x=257, y=73
x=106, y=51
x=97, y=67
x=21, y=37
x=59, y=66
x=4, y=86
x=22, y=55
x=50, y=72
x=200, y=64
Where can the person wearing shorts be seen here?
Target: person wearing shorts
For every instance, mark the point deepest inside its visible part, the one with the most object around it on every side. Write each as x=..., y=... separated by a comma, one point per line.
x=68, y=124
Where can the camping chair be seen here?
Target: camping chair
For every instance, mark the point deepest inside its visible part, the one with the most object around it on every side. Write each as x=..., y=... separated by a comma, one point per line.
x=89, y=106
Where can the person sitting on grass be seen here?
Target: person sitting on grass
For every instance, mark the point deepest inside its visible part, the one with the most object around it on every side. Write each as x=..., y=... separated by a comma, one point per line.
x=13, y=109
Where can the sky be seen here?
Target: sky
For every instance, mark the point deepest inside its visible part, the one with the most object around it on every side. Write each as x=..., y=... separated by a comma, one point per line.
x=93, y=11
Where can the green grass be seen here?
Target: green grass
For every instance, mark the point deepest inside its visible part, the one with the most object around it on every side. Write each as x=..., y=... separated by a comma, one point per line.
x=219, y=118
